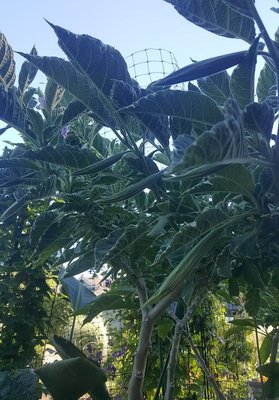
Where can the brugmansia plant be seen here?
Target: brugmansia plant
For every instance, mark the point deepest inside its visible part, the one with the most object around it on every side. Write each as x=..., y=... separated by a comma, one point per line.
x=179, y=199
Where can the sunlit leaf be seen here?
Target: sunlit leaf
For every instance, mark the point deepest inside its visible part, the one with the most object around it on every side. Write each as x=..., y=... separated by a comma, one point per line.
x=7, y=64
x=216, y=17
x=216, y=86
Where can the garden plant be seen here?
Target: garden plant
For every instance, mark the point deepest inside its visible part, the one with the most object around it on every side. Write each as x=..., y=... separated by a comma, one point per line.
x=171, y=194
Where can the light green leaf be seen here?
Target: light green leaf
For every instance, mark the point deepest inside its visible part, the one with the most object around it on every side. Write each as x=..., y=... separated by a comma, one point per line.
x=216, y=86
x=110, y=300
x=189, y=105
x=79, y=294
x=265, y=348
x=216, y=17
x=266, y=86
x=242, y=80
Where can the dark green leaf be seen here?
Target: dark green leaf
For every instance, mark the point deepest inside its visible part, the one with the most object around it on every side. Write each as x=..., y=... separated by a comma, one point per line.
x=177, y=103
x=80, y=374
x=252, y=301
x=27, y=73
x=22, y=384
x=13, y=114
x=216, y=17
x=216, y=86
x=242, y=80
x=266, y=86
x=100, y=62
x=66, y=75
x=18, y=163
x=74, y=110
x=223, y=264
x=233, y=287
x=259, y=117
x=83, y=263
x=110, y=301
x=63, y=154
x=245, y=245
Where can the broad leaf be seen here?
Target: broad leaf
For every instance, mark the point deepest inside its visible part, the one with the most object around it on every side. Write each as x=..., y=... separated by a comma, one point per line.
x=79, y=294
x=266, y=86
x=224, y=141
x=63, y=154
x=265, y=348
x=191, y=106
x=83, y=263
x=7, y=64
x=67, y=76
x=13, y=113
x=252, y=301
x=245, y=245
x=18, y=163
x=216, y=17
x=259, y=117
x=216, y=86
x=27, y=73
x=223, y=264
x=111, y=300
x=101, y=63
x=21, y=385
x=44, y=190
x=242, y=80
x=81, y=376
x=73, y=111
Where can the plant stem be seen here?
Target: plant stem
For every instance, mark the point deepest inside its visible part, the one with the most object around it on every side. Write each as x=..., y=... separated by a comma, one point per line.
x=135, y=387
x=180, y=323
x=203, y=366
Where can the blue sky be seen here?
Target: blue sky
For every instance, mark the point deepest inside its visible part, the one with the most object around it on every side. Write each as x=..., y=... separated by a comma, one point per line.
x=128, y=25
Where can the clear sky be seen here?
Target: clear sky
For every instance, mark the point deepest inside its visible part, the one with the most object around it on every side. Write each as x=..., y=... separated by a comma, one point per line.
x=128, y=25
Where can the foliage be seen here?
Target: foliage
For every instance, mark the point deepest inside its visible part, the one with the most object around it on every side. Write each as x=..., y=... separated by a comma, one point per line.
x=207, y=220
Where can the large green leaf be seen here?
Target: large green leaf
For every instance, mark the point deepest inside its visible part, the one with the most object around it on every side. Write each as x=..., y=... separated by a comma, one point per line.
x=70, y=379
x=236, y=179
x=27, y=73
x=252, y=301
x=58, y=235
x=79, y=294
x=13, y=113
x=44, y=190
x=259, y=117
x=216, y=17
x=7, y=64
x=83, y=263
x=80, y=86
x=101, y=63
x=225, y=141
x=111, y=300
x=265, y=348
x=266, y=86
x=63, y=154
x=242, y=82
x=216, y=86
x=189, y=105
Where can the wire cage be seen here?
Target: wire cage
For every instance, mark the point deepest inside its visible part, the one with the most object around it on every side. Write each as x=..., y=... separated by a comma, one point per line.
x=151, y=64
